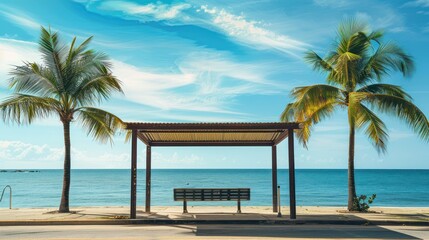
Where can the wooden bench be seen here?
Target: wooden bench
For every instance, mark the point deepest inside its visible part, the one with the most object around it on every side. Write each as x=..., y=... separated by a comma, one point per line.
x=211, y=194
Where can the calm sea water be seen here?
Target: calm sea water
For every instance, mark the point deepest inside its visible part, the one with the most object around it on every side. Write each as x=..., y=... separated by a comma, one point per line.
x=313, y=187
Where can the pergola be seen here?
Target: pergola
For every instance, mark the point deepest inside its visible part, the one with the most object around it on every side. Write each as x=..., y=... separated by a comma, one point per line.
x=211, y=134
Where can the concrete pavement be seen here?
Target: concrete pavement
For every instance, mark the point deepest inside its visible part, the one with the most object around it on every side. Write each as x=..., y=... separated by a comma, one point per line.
x=177, y=232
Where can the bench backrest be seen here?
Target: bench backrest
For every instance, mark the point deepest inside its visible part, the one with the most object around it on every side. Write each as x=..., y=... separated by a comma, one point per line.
x=211, y=194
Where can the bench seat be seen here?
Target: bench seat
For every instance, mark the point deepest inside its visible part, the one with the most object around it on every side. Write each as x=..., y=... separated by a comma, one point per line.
x=211, y=194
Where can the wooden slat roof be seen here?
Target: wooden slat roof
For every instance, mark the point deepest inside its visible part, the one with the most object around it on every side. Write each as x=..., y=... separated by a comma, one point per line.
x=212, y=134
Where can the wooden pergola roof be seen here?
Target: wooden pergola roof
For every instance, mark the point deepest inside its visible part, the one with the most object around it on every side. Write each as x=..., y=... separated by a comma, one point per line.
x=212, y=134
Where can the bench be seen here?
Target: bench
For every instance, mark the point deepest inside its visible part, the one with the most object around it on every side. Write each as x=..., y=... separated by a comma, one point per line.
x=211, y=194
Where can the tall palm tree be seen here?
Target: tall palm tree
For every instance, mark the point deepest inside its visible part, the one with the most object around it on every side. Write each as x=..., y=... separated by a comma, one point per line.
x=70, y=80
x=355, y=68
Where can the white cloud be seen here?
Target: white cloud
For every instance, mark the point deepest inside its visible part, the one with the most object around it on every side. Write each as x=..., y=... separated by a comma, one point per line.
x=399, y=135
x=250, y=33
x=20, y=151
x=237, y=27
x=17, y=154
x=14, y=52
x=418, y=3
x=158, y=11
x=423, y=12
x=24, y=21
x=156, y=89
x=91, y=160
x=164, y=160
x=139, y=113
x=20, y=19
x=385, y=18
x=223, y=65
x=203, y=82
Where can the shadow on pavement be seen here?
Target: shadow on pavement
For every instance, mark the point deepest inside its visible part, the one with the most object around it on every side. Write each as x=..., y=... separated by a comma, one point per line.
x=300, y=231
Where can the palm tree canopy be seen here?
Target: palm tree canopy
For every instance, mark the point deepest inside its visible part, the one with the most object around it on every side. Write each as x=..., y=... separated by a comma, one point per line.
x=355, y=68
x=70, y=79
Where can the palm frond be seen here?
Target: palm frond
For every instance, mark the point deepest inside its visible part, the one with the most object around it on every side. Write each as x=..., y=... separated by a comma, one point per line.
x=312, y=105
x=312, y=117
x=317, y=62
x=388, y=57
x=397, y=59
x=23, y=109
x=96, y=87
x=85, y=72
x=101, y=124
x=128, y=135
x=82, y=63
x=375, y=128
x=354, y=101
x=33, y=78
x=403, y=109
x=387, y=89
x=54, y=54
x=347, y=31
x=376, y=36
x=358, y=45
x=315, y=95
x=288, y=114
x=79, y=51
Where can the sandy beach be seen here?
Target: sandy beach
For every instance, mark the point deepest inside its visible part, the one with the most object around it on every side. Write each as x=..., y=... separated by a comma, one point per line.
x=417, y=214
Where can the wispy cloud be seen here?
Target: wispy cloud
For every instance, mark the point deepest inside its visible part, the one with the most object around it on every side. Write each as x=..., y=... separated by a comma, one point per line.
x=203, y=82
x=156, y=89
x=20, y=19
x=386, y=18
x=147, y=12
x=423, y=12
x=250, y=33
x=238, y=28
x=32, y=25
x=417, y=3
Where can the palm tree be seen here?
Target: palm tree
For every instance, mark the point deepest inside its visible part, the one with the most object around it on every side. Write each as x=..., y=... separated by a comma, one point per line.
x=70, y=80
x=355, y=68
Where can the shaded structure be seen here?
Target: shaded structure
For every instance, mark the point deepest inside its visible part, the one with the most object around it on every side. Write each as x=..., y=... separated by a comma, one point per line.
x=211, y=134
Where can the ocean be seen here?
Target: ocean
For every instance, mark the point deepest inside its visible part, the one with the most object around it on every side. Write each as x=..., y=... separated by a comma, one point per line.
x=408, y=188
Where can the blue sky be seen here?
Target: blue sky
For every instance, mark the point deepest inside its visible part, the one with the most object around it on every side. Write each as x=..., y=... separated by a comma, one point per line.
x=210, y=61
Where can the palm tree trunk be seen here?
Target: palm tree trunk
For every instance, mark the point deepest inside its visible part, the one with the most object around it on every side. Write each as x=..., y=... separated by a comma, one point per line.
x=351, y=169
x=64, y=205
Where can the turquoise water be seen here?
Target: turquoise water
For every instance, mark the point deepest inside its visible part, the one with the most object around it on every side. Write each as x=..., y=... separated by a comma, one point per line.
x=313, y=187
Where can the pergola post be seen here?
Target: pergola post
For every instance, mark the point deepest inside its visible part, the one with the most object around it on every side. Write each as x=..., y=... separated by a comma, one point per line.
x=291, y=175
x=148, y=177
x=274, y=176
x=133, y=198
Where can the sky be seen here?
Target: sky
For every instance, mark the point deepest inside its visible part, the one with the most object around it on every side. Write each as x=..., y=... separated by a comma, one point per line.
x=210, y=61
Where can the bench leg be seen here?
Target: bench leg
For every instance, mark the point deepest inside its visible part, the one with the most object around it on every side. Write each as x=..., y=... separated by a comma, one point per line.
x=238, y=206
x=185, y=207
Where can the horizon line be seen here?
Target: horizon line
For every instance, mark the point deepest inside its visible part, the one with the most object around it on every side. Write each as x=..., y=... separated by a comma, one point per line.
x=215, y=169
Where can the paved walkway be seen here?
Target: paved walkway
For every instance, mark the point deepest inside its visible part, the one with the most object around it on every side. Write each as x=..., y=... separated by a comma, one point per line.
x=212, y=231
x=214, y=215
